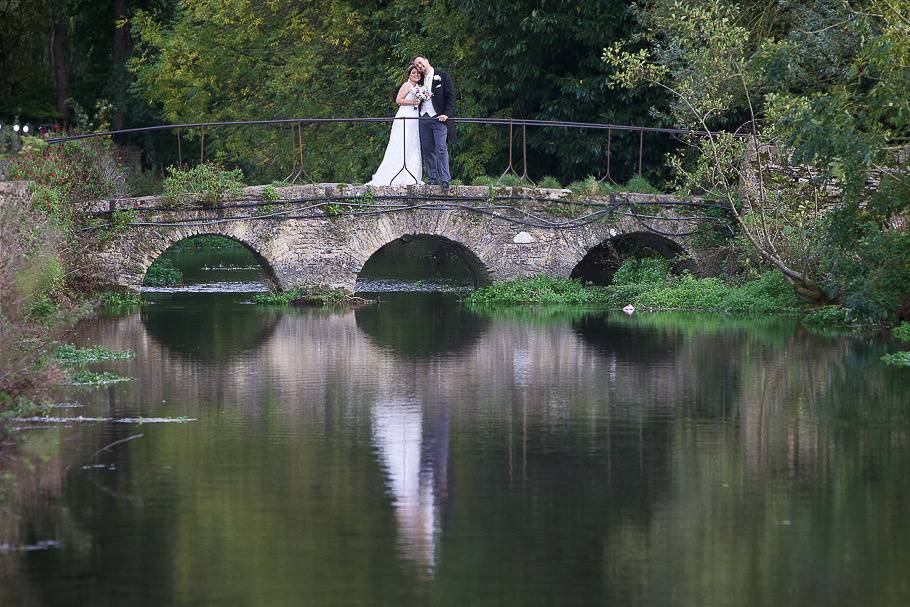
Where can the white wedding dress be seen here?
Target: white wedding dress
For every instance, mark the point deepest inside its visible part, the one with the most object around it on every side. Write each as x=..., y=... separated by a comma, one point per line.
x=402, y=163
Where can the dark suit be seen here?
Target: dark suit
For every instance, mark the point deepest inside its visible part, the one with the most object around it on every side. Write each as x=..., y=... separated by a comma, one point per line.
x=434, y=135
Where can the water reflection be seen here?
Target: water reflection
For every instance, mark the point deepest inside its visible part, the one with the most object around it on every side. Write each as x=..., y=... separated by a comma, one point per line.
x=414, y=455
x=207, y=326
x=533, y=459
x=416, y=326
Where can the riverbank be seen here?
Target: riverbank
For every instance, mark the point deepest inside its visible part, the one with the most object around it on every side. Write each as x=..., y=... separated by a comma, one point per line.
x=647, y=284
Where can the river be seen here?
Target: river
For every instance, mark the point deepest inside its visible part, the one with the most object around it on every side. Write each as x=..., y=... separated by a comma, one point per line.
x=418, y=452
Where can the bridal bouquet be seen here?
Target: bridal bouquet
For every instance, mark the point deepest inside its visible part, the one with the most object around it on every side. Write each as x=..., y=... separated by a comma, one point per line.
x=422, y=93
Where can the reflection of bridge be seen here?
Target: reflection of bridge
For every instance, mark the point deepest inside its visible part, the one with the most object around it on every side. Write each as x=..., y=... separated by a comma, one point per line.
x=324, y=234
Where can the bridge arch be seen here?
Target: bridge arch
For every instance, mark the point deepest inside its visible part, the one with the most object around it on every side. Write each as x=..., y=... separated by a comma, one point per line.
x=602, y=260
x=163, y=241
x=390, y=232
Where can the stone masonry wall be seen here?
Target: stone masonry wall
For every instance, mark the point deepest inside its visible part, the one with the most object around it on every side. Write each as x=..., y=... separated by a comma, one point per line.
x=331, y=250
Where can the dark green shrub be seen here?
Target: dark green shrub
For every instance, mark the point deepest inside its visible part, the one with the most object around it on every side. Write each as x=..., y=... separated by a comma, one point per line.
x=641, y=186
x=649, y=270
x=902, y=331
x=897, y=359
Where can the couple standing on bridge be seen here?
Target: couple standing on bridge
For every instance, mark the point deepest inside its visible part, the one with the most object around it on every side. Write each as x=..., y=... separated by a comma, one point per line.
x=427, y=99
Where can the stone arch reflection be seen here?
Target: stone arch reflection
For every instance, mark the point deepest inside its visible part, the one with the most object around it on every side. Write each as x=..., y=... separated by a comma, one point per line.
x=214, y=326
x=418, y=326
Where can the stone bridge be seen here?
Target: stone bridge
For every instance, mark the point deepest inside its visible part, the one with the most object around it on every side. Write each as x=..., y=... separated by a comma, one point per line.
x=309, y=236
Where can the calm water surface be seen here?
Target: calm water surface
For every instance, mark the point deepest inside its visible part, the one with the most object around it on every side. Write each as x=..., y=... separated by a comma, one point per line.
x=416, y=452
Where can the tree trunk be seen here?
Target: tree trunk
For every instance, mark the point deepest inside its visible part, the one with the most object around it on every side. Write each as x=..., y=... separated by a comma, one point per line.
x=61, y=66
x=121, y=42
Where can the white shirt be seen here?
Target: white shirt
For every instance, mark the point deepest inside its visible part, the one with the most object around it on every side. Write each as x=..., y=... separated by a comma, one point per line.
x=426, y=107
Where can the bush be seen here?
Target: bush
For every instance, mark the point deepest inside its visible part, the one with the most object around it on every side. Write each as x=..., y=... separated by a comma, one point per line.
x=270, y=193
x=162, y=273
x=549, y=182
x=206, y=184
x=902, y=331
x=647, y=283
x=640, y=185
x=591, y=186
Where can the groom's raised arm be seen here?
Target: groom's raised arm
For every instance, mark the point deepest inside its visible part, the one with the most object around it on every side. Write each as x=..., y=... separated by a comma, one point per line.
x=449, y=108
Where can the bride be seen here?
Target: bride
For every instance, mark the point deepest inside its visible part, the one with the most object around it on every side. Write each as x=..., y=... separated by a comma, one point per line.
x=402, y=163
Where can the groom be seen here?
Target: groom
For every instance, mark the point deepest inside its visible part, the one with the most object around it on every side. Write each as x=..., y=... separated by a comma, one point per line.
x=437, y=128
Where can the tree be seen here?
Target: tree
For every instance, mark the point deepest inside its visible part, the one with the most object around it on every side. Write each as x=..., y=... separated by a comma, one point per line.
x=841, y=128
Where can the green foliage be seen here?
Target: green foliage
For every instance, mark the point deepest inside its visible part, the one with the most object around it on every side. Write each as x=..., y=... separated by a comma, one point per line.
x=647, y=283
x=647, y=271
x=640, y=185
x=162, y=273
x=206, y=242
x=897, y=359
x=206, y=184
x=549, y=182
x=266, y=209
x=823, y=88
x=195, y=67
x=484, y=180
x=332, y=210
x=513, y=181
x=118, y=299
x=84, y=377
x=539, y=289
x=270, y=193
x=70, y=355
x=320, y=296
x=591, y=186
x=828, y=316
x=901, y=331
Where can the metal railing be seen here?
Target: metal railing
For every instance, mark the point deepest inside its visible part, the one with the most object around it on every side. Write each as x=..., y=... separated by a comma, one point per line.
x=296, y=126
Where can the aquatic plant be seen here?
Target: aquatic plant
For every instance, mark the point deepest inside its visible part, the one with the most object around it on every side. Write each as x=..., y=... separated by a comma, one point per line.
x=118, y=299
x=68, y=354
x=84, y=377
x=539, y=289
x=314, y=296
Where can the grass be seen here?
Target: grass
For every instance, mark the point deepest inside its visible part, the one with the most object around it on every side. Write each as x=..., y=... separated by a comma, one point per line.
x=648, y=284
x=70, y=355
